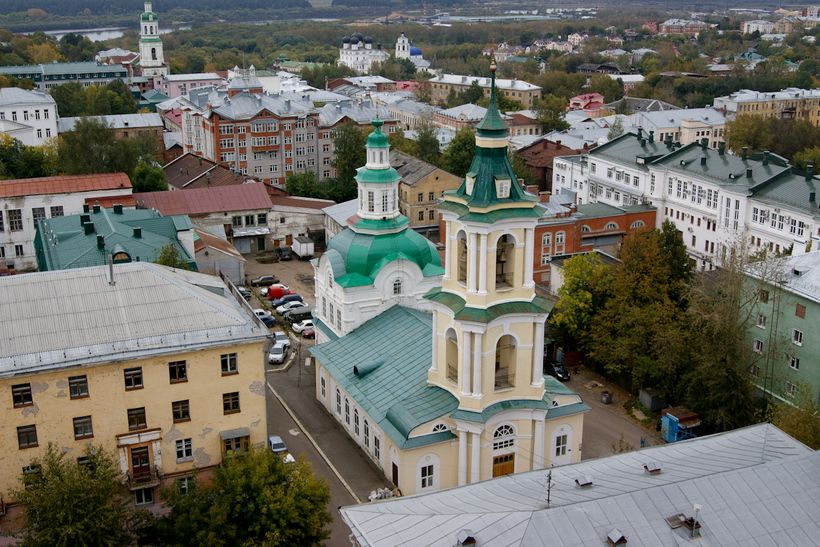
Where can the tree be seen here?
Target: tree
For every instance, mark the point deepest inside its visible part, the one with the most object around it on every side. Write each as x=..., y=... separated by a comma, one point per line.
x=18, y=161
x=170, y=256
x=459, y=154
x=616, y=129
x=748, y=131
x=504, y=103
x=520, y=169
x=808, y=156
x=551, y=109
x=349, y=155
x=427, y=147
x=92, y=148
x=255, y=499
x=612, y=90
x=148, y=178
x=802, y=419
x=71, y=504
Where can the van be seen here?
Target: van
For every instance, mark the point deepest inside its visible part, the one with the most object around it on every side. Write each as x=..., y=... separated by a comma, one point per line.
x=277, y=291
x=298, y=314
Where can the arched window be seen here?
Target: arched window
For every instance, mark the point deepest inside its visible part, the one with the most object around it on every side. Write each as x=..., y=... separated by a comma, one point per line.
x=503, y=437
x=452, y=356
x=505, y=262
x=560, y=238
x=546, y=240
x=505, y=354
x=338, y=402
x=461, y=245
x=153, y=53
x=330, y=278
x=637, y=224
x=586, y=229
x=611, y=226
x=439, y=428
x=397, y=287
x=347, y=411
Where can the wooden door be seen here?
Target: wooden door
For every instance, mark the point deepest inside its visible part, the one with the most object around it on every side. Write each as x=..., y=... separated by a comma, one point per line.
x=396, y=475
x=140, y=465
x=503, y=465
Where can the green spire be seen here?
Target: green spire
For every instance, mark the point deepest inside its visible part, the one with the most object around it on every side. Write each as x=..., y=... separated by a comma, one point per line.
x=377, y=139
x=493, y=124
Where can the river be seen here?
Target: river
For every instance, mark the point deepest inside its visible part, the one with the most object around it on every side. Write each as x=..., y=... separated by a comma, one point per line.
x=102, y=34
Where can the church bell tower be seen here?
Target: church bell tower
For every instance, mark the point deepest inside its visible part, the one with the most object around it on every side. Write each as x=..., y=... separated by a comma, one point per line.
x=152, y=58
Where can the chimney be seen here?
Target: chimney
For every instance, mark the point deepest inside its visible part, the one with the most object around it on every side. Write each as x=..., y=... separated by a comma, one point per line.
x=137, y=232
x=721, y=148
x=704, y=143
x=748, y=172
x=744, y=153
x=84, y=219
x=669, y=141
x=117, y=208
x=100, y=242
x=809, y=172
x=89, y=228
x=96, y=208
x=703, y=160
x=85, y=208
x=640, y=132
x=532, y=189
x=765, y=157
x=651, y=137
x=812, y=197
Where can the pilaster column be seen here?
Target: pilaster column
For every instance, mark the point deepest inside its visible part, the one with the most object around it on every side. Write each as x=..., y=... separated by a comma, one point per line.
x=482, y=265
x=529, y=244
x=538, y=355
x=475, y=464
x=448, y=259
x=477, y=369
x=538, y=442
x=471, y=264
x=466, y=376
x=433, y=367
x=462, y=458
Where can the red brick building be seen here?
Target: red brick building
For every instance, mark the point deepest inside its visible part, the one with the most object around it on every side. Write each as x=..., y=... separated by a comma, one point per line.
x=538, y=158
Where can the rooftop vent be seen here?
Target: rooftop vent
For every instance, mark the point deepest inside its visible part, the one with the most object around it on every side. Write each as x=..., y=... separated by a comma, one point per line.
x=137, y=232
x=765, y=157
x=652, y=468
x=85, y=208
x=366, y=368
x=744, y=152
x=96, y=208
x=88, y=227
x=100, y=242
x=809, y=172
x=117, y=208
x=749, y=173
x=676, y=521
x=84, y=219
x=584, y=481
x=465, y=537
x=615, y=537
x=703, y=160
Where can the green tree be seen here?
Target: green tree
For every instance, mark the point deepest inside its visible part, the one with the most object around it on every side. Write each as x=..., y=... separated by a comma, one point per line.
x=427, y=147
x=520, y=168
x=802, y=419
x=459, y=154
x=70, y=99
x=255, y=499
x=616, y=129
x=349, y=155
x=748, y=131
x=92, y=148
x=808, y=156
x=504, y=103
x=71, y=504
x=551, y=109
x=170, y=256
x=612, y=90
x=148, y=177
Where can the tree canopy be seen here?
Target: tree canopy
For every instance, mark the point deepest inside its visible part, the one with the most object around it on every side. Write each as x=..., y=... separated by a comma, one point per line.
x=348, y=155
x=459, y=154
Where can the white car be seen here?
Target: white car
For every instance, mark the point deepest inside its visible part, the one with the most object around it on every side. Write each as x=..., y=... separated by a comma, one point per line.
x=299, y=327
x=281, y=338
x=260, y=313
x=289, y=306
x=277, y=353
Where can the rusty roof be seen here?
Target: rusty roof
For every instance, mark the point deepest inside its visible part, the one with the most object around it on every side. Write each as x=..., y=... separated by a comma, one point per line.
x=303, y=203
x=205, y=240
x=66, y=184
x=190, y=171
x=203, y=201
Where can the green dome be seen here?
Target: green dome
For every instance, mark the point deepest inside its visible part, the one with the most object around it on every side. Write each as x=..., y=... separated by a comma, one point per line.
x=377, y=139
x=357, y=258
x=380, y=176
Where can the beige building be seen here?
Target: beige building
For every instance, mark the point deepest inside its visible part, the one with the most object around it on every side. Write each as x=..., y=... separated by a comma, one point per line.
x=518, y=90
x=163, y=368
x=420, y=188
x=791, y=103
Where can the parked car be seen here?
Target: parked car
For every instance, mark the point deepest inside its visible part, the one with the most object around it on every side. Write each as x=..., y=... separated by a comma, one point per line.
x=276, y=444
x=284, y=254
x=292, y=297
x=557, y=369
x=260, y=313
x=277, y=354
x=281, y=338
x=302, y=325
x=287, y=306
x=269, y=321
x=298, y=314
x=309, y=333
x=277, y=291
x=245, y=292
x=264, y=281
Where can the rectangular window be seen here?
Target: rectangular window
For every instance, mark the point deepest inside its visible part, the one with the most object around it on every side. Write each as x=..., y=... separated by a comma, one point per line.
x=420, y=197
x=21, y=395
x=797, y=337
x=78, y=386
x=421, y=215
x=27, y=436
x=761, y=321
x=133, y=378
x=230, y=402
x=178, y=371
x=377, y=448
x=181, y=411
x=371, y=205
x=184, y=450
x=560, y=445
x=37, y=214
x=18, y=250
x=790, y=388
x=384, y=202
x=228, y=364
x=15, y=220
x=432, y=215
x=794, y=362
x=83, y=428
x=427, y=476
x=144, y=496
x=136, y=419
x=323, y=388
x=758, y=346
x=1, y=221
x=184, y=484
x=800, y=311
x=262, y=219
x=57, y=211
x=763, y=296
x=236, y=221
x=236, y=445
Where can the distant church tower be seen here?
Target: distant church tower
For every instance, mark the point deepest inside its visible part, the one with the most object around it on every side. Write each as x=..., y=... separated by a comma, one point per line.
x=403, y=47
x=152, y=59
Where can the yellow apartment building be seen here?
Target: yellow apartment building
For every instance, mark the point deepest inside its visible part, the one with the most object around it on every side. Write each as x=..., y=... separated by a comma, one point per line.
x=421, y=186
x=162, y=367
x=791, y=103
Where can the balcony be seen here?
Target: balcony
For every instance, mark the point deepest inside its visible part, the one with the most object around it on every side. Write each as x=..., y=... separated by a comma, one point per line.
x=143, y=478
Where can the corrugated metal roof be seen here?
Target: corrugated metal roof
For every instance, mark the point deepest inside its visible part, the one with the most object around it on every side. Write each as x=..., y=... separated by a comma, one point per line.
x=756, y=486
x=63, y=184
x=114, y=121
x=67, y=318
x=202, y=201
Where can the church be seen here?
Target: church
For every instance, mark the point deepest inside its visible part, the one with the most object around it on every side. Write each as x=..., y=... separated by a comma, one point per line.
x=152, y=59
x=436, y=372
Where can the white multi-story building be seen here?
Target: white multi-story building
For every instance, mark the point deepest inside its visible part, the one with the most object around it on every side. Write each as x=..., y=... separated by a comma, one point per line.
x=357, y=52
x=28, y=116
x=684, y=126
x=152, y=58
x=759, y=25
x=716, y=200
x=24, y=202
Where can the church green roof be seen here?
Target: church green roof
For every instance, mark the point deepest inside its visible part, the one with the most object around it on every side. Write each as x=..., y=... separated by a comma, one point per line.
x=356, y=258
x=493, y=124
x=377, y=139
x=148, y=16
x=462, y=312
x=377, y=176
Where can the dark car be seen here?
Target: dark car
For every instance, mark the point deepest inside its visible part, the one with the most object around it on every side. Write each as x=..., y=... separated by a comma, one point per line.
x=557, y=370
x=284, y=254
x=246, y=294
x=264, y=281
x=298, y=314
x=268, y=321
x=285, y=299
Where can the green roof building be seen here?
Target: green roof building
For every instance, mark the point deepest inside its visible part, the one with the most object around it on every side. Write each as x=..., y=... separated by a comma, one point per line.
x=118, y=233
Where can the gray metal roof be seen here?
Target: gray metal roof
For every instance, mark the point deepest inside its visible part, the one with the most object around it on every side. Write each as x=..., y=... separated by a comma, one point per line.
x=10, y=96
x=114, y=121
x=342, y=211
x=755, y=486
x=69, y=318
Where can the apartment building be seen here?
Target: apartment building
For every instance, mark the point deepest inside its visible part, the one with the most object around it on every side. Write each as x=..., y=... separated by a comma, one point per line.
x=420, y=188
x=716, y=200
x=49, y=75
x=687, y=27
x=518, y=90
x=24, y=202
x=28, y=116
x=790, y=103
x=684, y=126
x=162, y=368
